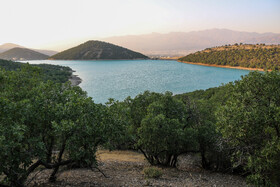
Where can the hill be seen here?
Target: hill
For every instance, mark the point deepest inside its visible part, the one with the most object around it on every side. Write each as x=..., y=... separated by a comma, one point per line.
x=98, y=50
x=54, y=73
x=8, y=46
x=22, y=54
x=183, y=43
x=244, y=55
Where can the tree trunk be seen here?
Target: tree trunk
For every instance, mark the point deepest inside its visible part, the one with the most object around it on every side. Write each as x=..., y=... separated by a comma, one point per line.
x=53, y=177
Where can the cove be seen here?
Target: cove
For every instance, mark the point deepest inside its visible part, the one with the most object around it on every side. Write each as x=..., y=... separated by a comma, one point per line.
x=118, y=79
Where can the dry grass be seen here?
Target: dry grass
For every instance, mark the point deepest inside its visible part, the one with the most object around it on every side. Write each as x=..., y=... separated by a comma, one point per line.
x=121, y=156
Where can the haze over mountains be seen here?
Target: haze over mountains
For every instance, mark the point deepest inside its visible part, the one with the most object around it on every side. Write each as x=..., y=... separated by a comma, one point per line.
x=182, y=43
x=177, y=43
x=8, y=46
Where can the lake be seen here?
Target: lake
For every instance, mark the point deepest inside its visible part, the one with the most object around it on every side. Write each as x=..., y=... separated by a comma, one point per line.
x=118, y=79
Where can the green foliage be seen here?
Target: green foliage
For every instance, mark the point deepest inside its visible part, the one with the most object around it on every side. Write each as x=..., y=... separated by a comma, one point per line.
x=54, y=73
x=152, y=172
x=49, y=125
x=215, y=153
x=250, y=123
x=119, y=117
x=264, y=58
x=98, y=50
x=157, y=125
x=46, y=124
x=164, y=133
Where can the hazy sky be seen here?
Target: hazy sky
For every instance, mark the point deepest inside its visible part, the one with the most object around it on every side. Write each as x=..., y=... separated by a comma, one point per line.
x=54, y=24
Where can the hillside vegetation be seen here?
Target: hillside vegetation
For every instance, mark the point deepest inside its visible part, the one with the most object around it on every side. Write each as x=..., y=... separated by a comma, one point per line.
x=233, y=128
x=47, y=72
x=243, y=55
x=22, y=54
x=98, y=50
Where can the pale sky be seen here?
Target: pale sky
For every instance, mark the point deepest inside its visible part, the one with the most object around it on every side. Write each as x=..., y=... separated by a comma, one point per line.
x=55, y=24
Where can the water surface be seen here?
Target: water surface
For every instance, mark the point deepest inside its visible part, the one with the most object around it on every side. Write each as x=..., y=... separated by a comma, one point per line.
x=122, y=78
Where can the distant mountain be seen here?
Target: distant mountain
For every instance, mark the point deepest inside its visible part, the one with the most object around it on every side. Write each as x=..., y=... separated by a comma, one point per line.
x=183, y=43
x=46, y=52
x=22, y=54
x=8, y=46
x=97, y=50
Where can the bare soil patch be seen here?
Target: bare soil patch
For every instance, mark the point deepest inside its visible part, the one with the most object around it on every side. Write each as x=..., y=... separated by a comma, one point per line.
x=124, y=168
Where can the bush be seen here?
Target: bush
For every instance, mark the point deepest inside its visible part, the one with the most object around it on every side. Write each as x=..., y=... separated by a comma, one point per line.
x=152, y=172
x=250, y=122
x=164, y=132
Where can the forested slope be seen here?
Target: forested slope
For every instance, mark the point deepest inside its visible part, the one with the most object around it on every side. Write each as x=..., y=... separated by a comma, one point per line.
x=243, y=55
x=54, y=73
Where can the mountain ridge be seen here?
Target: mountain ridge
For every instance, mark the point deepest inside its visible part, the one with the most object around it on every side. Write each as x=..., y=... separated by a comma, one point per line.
x=183, y=43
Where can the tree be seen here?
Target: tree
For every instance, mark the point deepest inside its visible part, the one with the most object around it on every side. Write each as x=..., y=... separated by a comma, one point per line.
x=250, y=122
x=45, y=124
x=202, y=105
x=162, y=129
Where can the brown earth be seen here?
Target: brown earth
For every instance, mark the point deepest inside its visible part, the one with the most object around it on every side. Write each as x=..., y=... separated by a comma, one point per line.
x=124, y=168
x=221, y=66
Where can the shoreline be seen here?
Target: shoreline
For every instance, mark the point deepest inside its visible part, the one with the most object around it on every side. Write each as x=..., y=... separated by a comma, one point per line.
x=223, y=66
x=74, y=79
x=97, y=59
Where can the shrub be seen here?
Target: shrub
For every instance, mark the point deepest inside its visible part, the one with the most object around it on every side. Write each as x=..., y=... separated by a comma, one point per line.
x=250, y=122
x=164, y=132
x=152, y=172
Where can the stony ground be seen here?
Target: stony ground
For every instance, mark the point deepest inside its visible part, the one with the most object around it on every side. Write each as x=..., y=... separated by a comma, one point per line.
x=124, y=168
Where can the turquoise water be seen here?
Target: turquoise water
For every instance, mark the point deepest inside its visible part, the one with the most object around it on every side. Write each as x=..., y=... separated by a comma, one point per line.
x=122, y=78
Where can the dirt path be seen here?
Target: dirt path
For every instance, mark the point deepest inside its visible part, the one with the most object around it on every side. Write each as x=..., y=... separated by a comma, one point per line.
x=124, y=168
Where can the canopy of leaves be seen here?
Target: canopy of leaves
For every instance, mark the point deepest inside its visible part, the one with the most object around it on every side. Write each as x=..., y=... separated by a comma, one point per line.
x=159, y=125
x=250, y=122
x=45, y=124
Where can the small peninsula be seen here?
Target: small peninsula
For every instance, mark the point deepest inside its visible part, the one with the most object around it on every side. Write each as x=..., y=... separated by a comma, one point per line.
x=55, y=73
x=240, y=56
x=18, y=53
x=97, y=50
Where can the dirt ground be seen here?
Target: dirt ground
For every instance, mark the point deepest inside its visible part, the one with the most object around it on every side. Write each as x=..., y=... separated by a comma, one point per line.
x=124, y=168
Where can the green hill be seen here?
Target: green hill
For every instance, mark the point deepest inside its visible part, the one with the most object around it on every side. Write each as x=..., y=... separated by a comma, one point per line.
x=98, y=50
x=243, y=55
x=22, y=54
x=47, y=72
